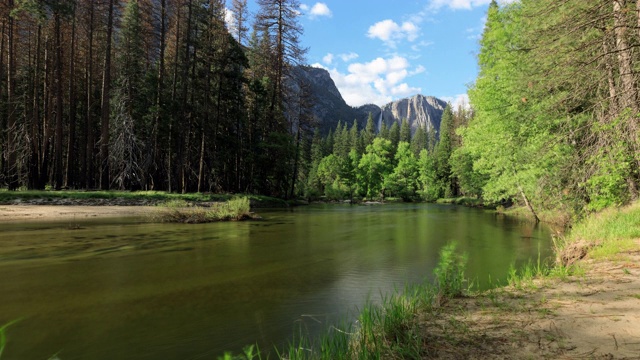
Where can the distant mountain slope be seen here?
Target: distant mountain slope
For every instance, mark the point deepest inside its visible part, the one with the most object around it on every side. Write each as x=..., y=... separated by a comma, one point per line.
x=330, y=108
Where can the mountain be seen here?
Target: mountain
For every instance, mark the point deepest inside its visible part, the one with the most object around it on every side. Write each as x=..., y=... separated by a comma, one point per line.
x=330, y=108
x=420, y=110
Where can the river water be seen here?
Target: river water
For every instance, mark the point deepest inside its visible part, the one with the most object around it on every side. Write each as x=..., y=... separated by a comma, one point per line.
x=127, y=289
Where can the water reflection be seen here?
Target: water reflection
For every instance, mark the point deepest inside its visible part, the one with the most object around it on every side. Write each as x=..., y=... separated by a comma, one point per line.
x=136, y=290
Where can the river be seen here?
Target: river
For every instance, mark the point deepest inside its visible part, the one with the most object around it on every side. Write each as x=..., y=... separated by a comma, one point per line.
x=127, y=289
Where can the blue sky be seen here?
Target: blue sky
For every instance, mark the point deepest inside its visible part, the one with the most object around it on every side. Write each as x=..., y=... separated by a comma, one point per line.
x=378, y=51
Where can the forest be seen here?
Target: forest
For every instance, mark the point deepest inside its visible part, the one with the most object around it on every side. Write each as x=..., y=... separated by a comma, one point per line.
x=150, y=94
x=556, y=105
x=164, y=95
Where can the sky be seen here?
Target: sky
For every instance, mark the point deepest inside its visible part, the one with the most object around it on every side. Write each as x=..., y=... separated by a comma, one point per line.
x=378, y=51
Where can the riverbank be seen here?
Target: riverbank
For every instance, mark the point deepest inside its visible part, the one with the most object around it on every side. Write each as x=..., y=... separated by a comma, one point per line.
x=593, y=313
x=74, y=204
x=29, y=212
x=587, y=306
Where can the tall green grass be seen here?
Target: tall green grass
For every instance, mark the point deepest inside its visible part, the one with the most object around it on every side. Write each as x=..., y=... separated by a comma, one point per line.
x=613, y=231
x=181, y=211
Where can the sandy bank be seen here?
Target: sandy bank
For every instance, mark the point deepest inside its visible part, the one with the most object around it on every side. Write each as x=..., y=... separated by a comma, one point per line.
x=593, y=315
x=12, y=213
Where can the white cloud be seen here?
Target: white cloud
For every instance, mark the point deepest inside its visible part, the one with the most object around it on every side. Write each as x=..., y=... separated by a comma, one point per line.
x=458, y=100
x=328, y=59
x=378, y=81
x=229, y=20
x=391, y=32
x=462, y=4
x=317, y=10
x=348, y=57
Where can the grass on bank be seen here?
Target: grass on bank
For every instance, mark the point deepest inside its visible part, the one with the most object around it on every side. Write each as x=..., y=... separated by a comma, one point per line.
x=181, y=211
x=607, y=233
x=466, y=201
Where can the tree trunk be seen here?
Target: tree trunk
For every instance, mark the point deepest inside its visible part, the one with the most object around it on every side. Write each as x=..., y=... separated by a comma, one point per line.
x=106, y=98
x=70, y=177
x=34, y=157
x=628, y=95
x=528, y=203
x=88, y=149
x=187, y=116
x=11, y=156
x=58, y=170
x=158, y=101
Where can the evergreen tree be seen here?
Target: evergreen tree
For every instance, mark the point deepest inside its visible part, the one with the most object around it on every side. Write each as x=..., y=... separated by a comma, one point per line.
x=394, y=135
x=419, y=141
x=354, y=138
x=405, y=131
x=442, y=155
x=384, y=131
x=369, y=132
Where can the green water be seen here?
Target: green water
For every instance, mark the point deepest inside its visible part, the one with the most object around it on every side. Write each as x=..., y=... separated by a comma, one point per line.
x=132, y=290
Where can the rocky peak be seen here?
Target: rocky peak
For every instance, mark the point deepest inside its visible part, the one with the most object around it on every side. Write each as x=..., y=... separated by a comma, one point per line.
x=330, y=108
x=421, y=112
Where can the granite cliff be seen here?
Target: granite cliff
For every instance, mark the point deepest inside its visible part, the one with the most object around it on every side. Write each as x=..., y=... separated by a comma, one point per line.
x=330, y=108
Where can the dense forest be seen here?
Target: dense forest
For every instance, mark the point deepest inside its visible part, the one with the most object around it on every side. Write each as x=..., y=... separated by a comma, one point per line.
x=556, y=105
x=151, y=94
x=388, y=162
x=164, y=95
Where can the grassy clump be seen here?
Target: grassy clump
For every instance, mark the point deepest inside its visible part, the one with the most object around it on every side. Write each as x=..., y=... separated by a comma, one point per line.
x=465, y=201
x=181, y=211
x=609, y=232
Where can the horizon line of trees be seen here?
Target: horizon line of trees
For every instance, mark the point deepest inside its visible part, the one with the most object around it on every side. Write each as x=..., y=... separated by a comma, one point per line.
x=351, y=163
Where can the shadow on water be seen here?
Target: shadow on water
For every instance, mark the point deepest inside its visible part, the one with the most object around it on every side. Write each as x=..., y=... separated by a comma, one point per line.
x=131, y=290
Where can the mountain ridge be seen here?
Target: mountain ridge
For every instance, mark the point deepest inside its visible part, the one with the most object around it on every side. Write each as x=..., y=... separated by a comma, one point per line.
x=330, y=108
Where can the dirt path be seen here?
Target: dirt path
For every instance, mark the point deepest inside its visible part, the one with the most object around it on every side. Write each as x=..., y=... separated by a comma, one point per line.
x=595, y=315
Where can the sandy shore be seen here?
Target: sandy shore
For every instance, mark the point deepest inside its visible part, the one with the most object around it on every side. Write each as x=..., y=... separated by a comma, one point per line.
x=12, y=213
x=592, y=315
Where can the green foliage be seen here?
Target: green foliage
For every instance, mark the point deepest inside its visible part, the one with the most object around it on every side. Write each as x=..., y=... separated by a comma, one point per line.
x=238, y=208
x=430, y=187
x=394, y=134
x=403, y=181
x=369, y=132
x=442, y=154
x=608, y=185
x=450, y=272
x=405, y=131
x=611, y=225
x=471, y=182
x=373, y=167
x=419, y=141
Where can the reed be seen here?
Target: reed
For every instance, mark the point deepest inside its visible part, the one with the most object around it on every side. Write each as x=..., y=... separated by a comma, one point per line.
x=181, y=211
